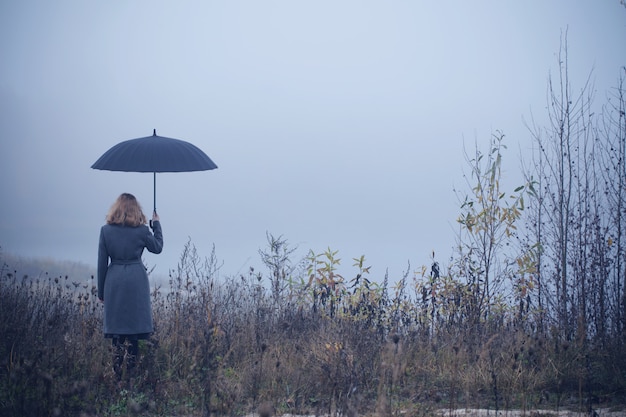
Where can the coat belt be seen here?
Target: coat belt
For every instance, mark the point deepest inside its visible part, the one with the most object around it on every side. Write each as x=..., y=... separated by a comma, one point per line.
x=125, y=261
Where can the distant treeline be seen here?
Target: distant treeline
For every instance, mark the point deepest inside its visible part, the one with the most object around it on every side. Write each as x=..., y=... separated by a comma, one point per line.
x=36, y=267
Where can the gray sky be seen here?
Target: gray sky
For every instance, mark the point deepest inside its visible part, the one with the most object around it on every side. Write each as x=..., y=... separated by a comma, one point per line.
x=336, y=124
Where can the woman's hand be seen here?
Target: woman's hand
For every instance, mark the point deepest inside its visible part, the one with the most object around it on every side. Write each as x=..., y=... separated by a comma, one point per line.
x=155, y=216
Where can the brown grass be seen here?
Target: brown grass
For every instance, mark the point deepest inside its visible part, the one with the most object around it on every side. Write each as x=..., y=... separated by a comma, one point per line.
x=233, y=346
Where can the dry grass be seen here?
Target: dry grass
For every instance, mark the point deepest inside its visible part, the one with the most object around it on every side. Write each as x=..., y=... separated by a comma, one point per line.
x=234, y=346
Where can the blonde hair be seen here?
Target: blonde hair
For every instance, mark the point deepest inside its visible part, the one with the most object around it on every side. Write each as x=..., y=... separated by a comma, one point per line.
x=127, y=211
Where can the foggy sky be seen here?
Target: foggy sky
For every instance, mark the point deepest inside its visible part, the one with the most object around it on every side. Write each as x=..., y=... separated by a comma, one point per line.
x=335, y=124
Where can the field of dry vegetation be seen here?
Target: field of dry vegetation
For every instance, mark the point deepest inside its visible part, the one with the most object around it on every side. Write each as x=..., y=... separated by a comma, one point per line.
x=324, y=345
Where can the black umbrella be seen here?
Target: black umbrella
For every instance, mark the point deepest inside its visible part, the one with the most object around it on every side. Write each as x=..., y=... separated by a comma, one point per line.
x=154, y=154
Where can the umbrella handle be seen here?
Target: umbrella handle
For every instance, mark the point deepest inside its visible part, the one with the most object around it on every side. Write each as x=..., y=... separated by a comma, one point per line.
x=151, y=226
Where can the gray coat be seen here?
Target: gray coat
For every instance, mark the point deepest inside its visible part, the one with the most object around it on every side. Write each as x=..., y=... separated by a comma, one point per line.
x=123, y=282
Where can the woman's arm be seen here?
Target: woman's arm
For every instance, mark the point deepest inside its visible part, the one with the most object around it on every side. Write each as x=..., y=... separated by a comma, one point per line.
x=103, y=264
x=154, y=242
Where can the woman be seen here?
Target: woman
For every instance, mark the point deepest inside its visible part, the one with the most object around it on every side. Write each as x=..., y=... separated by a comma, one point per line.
x=122, y=278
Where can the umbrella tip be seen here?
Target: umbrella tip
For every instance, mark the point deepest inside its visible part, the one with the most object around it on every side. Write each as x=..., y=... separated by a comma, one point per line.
x=153, y=132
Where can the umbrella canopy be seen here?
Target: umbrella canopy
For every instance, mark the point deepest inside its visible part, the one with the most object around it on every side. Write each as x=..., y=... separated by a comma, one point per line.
x=154, y=154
